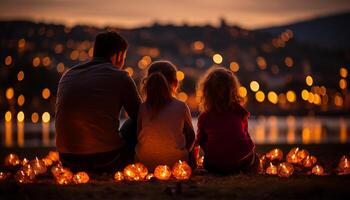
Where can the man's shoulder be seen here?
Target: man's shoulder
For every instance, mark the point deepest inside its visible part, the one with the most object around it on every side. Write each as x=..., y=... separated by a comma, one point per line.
x=90, y=68
x=107, y=68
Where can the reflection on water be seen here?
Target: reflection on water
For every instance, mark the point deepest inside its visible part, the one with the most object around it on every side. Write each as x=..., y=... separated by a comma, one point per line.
x=8, y=134
x=20, y=134
x=263, y=130
x=46, y=133
x=299, y=130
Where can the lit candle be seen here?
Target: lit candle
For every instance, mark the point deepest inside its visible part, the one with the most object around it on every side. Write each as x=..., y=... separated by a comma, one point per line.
x=54, y=156
x=285, y=169
x=135, y=172
x=24, y=161
x=38, y=166
x=25, y=175
x=48, y=162
x=271, y=169
x=118, y=176
x=275, y=154
x=292, y=156
x=262, y=162
x=149, y=176
x=64, y=177
x=162, y=172
x=344, y=166
x=56, y=170
x=181, y=170
x=200, y=161
x=81, y=178
x=302, y=154
x=317, y=170
x=309, y=161
x=12, y=160
x=3, y=176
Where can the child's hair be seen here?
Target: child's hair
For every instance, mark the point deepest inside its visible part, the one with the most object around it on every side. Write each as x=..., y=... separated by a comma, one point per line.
x=156, y=86
x=219, y=90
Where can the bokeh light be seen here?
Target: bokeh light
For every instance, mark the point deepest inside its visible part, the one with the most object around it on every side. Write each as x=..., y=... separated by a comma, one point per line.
x=130, y=71
x=46, y=93
x=20, y=116
x=182, y=96
x=288, y=61
x=8, y=116
x=343, y=84
x=46, y=117
x=309, y=80
x=20, y=76
x=8, y=60
x=261, y=62
x=198, y=46
x=234, y=66
x=343, y=72
x=272, y=97
x=180, y=75
x=260, y=96
x=60, y=67
x=36, y=62
x=305, y=95
x=10, y=93
x=144, y=62
x=35, y=117
x=217, y=58
x=242, y=91
x=254, y=86
x=291, y=96
x=20, y=100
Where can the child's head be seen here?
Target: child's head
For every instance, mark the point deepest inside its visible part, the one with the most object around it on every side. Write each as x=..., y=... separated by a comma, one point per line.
x=159, y=84
x=219, y=89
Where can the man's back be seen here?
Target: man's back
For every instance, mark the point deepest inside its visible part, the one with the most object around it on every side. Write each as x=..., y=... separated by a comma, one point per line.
x=90, y=97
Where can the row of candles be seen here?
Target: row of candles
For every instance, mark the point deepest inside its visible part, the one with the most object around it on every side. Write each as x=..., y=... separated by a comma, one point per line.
x=30, y=170
x=297, y=161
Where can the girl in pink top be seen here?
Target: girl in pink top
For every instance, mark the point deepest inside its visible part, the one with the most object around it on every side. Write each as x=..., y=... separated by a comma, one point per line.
x=223, y=125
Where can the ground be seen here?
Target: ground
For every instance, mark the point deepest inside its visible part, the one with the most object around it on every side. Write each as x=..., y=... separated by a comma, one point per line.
x=201, y=185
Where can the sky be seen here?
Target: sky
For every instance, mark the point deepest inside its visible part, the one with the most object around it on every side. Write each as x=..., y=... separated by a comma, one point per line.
x=249, y=14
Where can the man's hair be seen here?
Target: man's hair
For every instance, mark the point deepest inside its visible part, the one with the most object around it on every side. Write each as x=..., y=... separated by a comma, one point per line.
x=109, y=43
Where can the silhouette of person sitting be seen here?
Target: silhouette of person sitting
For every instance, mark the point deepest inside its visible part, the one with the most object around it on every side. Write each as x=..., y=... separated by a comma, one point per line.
x=89, y=101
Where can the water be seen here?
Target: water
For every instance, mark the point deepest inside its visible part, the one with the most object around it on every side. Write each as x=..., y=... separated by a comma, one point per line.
x=263, y=130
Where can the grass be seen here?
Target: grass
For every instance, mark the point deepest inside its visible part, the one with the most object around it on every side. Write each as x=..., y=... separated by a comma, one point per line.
x=201, y=185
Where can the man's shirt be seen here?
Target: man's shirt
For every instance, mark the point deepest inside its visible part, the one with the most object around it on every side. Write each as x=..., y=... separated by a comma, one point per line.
x=89, y=99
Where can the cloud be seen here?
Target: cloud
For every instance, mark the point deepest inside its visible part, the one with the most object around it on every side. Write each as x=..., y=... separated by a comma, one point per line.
x=249, y=13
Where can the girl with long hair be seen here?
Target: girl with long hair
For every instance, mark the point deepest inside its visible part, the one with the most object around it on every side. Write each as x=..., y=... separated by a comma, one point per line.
x=165, y=132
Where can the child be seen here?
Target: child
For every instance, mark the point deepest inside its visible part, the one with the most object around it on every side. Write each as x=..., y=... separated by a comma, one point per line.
x=223, y=125
x=165, y=132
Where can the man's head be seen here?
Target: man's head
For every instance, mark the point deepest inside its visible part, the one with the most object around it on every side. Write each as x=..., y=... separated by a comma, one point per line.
x=112, y=46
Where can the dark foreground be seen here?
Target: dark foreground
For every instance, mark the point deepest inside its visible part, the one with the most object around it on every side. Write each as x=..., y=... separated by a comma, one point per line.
x=201, y=185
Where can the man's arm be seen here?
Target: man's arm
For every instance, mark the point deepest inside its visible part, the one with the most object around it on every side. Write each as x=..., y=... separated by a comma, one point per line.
x=201, y=135
x=131, y=98
x=131, y=103
x=188, y=130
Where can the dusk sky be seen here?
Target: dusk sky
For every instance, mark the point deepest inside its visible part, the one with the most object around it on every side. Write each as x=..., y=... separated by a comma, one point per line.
x=132, y=13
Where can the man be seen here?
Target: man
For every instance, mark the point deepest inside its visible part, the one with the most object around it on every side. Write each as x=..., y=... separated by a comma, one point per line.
x=89, y=100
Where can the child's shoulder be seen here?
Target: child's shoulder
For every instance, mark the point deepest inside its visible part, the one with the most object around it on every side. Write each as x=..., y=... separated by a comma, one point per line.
x=202, y=116
x=179, y=104
x=240, y=110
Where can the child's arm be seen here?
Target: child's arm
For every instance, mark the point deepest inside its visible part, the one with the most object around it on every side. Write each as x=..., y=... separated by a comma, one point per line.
x=201, y=135
x=139, y=120
x=188, y=130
